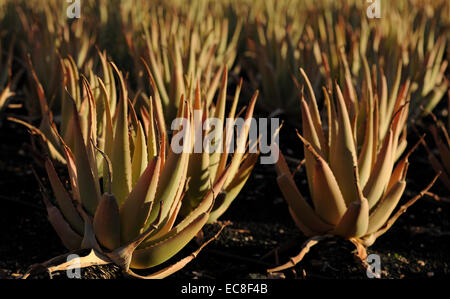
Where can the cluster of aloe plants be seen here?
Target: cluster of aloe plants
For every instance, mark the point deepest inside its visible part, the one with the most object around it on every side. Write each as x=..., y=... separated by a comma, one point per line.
x=406, y=40
x=46, y=39
x=133, y=200
x=177, y=47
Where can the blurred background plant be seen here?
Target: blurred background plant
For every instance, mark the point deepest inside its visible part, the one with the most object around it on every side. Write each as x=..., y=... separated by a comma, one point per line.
x=288, y=34
x=7, y=81
x=266, y=41
x=182, y=44
x=440, y=159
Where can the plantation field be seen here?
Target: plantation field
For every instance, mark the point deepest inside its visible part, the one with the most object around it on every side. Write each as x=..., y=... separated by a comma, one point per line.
x=225, y=139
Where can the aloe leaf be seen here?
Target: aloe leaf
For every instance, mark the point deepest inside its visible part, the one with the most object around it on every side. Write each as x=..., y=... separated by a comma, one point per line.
x=172, y=216
x=305, y=230
x=139, y=161
x=343, y=153
x=64, y=200
x=328, y=201
x=213, y=87
x=91, y=130
x=300, y=207
x=311, y=135
x=242, y=141
x=384, y=208
x=198, y=172
x=235, y=187
x=151, y=134
x=53, y=151
x=121, y=158
x=88, y=186
x=380, y=174
x=227, y=141
x=136, y=208
x=180, y=264
x=171, y=174
x=166, y=248
x=366, y=155
x=107, y=222
x=384, y=127
x=156, y=72
x=315, y=111
x=69, y=238
x=214, y=159
x=398, y=174
x=355, y=222
x=108, y=128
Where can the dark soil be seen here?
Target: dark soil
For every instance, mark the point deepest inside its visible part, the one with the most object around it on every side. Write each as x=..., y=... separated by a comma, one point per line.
x=417, y=246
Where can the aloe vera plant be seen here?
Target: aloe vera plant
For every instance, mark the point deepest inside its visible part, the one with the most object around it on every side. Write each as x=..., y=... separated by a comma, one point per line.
x=134, y=221
x=154, y=199
x=354, y=180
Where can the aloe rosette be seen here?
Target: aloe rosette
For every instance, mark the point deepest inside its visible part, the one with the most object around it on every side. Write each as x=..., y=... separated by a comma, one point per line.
x=134, y=221
x=355, y=178
x=134, y=200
